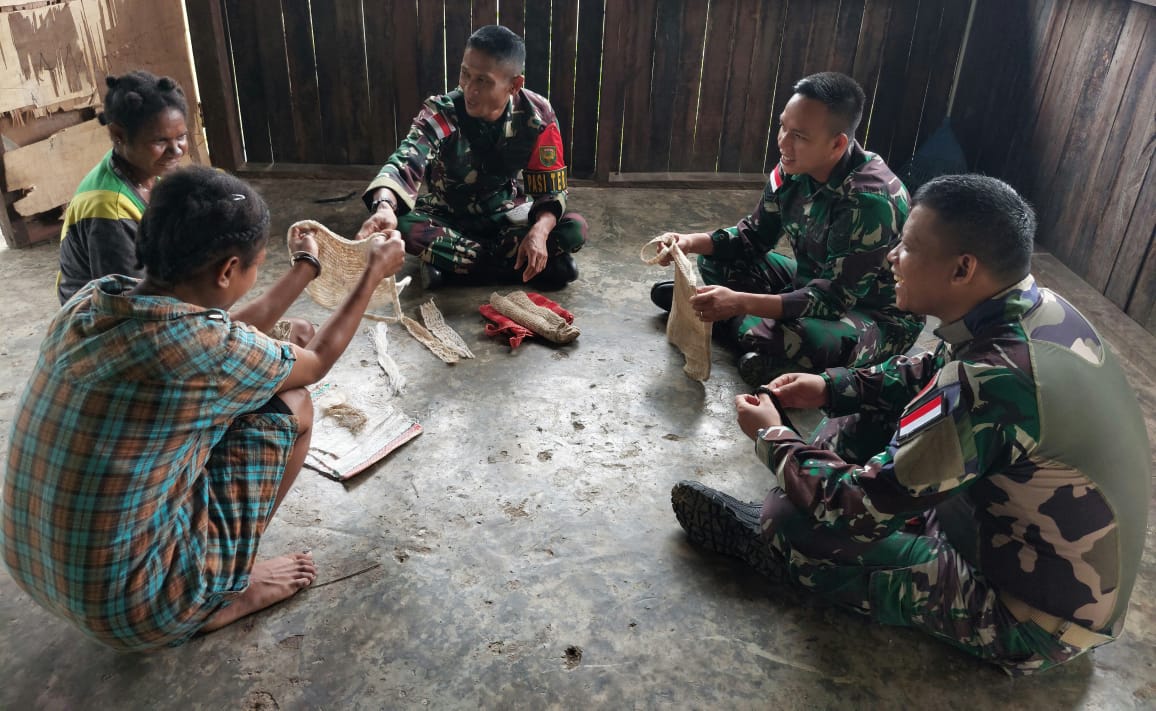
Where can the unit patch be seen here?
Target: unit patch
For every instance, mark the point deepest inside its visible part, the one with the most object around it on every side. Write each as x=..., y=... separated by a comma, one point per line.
x=547, y=156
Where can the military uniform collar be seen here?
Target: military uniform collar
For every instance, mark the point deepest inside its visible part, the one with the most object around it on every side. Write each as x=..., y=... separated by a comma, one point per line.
x=1005, y=307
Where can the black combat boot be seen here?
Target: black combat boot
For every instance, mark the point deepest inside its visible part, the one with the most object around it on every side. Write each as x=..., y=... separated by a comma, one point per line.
x=559, y=271
x=723, y=524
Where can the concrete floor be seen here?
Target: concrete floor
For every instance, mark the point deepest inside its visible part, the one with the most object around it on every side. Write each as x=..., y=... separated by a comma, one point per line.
x=527, y=553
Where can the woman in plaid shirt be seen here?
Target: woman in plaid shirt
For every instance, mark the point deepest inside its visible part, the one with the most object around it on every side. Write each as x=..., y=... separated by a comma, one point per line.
x=158, y=433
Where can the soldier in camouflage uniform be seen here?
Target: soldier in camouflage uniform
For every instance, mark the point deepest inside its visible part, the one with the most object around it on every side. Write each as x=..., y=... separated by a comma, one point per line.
x=469, y=147
x=841, y=208
x=1005, y=510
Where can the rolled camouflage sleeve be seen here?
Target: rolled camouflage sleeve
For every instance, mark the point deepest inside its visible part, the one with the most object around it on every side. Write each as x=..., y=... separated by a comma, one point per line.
x=862, y=229
x=756, y=234
x=404, y=171
x=950, y=435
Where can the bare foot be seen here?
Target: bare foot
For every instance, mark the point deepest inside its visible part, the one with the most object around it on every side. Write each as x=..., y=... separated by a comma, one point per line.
x=270, y=582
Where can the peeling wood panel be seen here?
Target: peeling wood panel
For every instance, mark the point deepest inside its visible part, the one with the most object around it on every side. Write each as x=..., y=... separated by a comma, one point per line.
x=50, y=170
x=55, y=57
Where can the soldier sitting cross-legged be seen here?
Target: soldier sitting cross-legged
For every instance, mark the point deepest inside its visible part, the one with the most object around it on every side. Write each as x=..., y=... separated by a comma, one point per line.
x=993, y=492
x=841, y=209
x=468, y=147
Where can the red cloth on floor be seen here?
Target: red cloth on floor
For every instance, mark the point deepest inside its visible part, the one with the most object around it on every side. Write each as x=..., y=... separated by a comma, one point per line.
x=515, y=331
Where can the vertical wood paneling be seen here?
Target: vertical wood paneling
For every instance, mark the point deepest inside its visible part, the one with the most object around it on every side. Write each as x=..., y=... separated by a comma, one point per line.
x=485, y=12
x=637, y=110
x=380, y=45
x=687, y=86
x=869, y=55
x=275, y=82
x=886, y=108
x=209, y=39
x=564, y=33
x=924, y=47
x=537, y=37
x=1142, y=300
x=694, y=92
x=431, y=49
x=841, y=54
x=306, y=112
x=1084, y=140
x=1069, y=118
x=945, y=57
x=342, y=84
x=667, y=45
x=404, y=56
x=587, y=79
x=760, y=111
x=614, y=77
x=512, y=14
x=241, y=15
x=1104, y=226
x=732, y=142
x=457, y=32
x=824, y=22
x=712, y=97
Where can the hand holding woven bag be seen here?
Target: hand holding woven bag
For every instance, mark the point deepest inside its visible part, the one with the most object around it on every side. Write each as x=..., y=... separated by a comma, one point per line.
x=342, y=262
x=684, y=329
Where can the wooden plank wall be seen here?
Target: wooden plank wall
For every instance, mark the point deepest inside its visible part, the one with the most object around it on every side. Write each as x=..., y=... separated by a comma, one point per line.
x=678, y=85
x=340, y=83
x=696, y=87
x=1059, y=98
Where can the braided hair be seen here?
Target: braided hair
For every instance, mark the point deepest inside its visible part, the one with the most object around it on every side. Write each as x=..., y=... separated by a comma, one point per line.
x=197, y=218
x=135, y=98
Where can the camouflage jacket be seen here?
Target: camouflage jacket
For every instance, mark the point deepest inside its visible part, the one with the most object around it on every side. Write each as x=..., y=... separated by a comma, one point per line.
x=1022, y=417
x=840, y=232
x=472, y=167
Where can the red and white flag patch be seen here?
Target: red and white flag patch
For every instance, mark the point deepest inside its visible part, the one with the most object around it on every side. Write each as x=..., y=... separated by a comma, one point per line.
x=440, y=126
x=915, y=421
x=777, y=178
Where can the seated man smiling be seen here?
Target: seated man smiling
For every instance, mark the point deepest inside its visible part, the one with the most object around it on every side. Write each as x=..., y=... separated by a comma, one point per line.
x=993, y=492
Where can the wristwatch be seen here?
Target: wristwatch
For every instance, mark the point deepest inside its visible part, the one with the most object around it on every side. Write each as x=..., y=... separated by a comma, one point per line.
x=377, y=203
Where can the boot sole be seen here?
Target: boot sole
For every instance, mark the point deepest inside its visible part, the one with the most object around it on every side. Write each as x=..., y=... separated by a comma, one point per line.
x=724, y=525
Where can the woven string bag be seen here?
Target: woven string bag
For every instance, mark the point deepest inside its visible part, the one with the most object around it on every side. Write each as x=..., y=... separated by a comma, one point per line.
x=342, y=262
x=683, y=328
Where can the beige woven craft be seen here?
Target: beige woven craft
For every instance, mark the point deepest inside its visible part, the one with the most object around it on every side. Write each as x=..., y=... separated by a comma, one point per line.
x=542, y=321
x=430, y=341
x=436, y=323
x=342, y=262
x=684, y=330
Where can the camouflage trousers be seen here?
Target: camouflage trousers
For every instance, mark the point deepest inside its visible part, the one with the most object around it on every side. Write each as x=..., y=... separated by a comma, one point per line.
x=812, y=344
x=467, y=245
x=914, y=577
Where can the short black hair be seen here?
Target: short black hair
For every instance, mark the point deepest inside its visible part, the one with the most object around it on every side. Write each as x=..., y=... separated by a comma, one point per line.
x=135, y=98
x=842, y=96
x=500, y=43
x=196, y=218
x=986, y=217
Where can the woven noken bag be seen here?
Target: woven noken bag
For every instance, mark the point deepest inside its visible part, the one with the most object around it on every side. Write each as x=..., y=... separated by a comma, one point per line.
x=342, y=262
x=686, y=331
